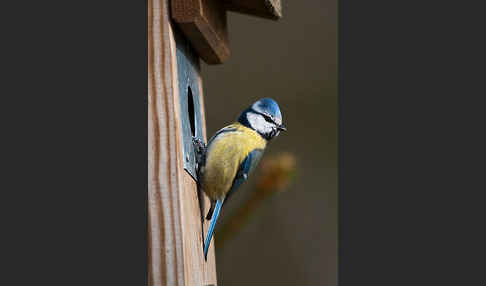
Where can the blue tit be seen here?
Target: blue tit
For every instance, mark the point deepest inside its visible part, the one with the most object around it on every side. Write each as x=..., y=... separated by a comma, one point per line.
x=233, y=153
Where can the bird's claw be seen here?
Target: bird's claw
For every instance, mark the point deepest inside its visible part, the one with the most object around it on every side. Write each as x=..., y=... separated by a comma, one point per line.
x=198, y=144
x=200, y=152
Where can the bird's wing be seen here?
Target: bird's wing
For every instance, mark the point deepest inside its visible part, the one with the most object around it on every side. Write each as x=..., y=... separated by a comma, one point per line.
x=228, y=128
x=247, y=166
x=214, y=219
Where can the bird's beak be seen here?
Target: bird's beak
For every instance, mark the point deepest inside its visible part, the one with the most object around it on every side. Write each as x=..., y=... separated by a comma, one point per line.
x=282, y=128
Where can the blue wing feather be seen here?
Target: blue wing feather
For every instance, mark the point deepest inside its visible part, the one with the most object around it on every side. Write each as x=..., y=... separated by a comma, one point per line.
x=246, y=167
x=214, y=219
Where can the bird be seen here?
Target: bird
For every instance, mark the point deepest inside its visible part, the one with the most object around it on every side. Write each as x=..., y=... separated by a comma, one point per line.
x=232, y=153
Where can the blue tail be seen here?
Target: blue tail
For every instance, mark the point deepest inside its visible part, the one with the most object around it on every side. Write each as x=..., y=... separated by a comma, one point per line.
x=214, y=219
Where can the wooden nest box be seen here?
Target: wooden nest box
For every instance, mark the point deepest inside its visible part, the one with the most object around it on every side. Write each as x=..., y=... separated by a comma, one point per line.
x=180, y=32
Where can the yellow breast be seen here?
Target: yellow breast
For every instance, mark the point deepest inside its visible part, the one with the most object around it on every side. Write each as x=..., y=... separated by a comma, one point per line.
x=224, y=155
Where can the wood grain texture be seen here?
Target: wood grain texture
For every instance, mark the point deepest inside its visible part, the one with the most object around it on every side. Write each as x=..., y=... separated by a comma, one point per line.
x=174, y=213
x=204, y=24
x=269, y=9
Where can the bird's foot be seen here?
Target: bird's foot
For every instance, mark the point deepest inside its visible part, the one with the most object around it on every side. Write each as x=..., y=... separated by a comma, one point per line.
x=200, y=152
x=198, y=143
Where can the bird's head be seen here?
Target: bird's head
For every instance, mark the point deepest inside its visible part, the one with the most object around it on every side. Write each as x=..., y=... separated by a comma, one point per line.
x=264, y=117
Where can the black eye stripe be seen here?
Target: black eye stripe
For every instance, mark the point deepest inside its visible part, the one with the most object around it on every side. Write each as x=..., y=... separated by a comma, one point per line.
x=267, y=117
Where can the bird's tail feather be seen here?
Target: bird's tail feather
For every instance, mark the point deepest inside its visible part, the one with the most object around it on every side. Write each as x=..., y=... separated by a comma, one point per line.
x=214, y=219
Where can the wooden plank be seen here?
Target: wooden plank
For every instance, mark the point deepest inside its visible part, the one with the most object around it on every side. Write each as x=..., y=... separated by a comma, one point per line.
x=204, y=24
x=269, y=9
x=174, y=213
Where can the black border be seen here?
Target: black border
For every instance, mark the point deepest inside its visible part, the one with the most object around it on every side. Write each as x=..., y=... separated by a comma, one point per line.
x=74, y=183
x=409, y=207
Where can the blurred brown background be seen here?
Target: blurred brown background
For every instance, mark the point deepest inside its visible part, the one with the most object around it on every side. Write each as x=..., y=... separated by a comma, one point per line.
x=292, y=239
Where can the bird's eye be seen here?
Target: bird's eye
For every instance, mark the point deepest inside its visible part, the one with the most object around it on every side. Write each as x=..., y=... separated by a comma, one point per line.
x=267, y=118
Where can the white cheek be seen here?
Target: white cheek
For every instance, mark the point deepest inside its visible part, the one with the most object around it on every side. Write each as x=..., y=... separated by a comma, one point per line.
x=259, y=123
x=266, y=127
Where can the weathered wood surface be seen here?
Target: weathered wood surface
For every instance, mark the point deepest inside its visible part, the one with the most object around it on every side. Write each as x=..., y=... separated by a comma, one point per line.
x=174, y=215
x=204, y=22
